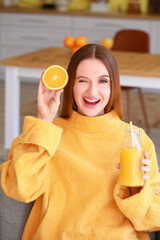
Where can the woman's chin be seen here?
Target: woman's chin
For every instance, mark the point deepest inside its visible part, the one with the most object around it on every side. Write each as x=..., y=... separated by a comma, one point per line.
x=91, y=112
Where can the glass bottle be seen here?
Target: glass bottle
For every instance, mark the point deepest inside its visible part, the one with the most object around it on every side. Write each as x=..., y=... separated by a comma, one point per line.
x=130, y=159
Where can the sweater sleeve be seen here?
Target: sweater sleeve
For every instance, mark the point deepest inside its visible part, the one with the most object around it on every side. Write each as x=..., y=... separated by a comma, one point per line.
x=142, y=208
x=24, y=175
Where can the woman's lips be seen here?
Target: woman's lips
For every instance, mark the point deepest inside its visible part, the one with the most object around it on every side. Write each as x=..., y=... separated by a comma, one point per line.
x=91, y=102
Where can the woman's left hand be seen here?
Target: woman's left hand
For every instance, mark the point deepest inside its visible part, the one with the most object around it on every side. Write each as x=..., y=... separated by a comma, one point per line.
x=145, y=166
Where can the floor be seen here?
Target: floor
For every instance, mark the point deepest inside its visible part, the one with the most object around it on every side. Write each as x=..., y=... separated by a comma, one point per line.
x=28, y=106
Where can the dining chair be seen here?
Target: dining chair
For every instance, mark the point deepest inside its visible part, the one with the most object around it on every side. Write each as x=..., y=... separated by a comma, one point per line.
x=133, y=41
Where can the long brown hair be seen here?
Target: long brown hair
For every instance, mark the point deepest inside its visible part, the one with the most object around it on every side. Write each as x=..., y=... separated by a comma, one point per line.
x=103, y=54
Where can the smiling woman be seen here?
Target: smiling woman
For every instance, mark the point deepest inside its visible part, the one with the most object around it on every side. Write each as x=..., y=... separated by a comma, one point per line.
x=107, y=79
x=91, y=88
x=70, y=161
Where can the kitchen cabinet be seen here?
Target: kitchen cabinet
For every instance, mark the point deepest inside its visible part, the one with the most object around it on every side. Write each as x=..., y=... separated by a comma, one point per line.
x=155, y=37
x=23, y=32
x=0, y=44
x=95, y=28
x=35, y=31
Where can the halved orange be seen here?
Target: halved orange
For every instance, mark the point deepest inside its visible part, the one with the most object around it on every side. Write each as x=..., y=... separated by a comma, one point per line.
x=55, y=77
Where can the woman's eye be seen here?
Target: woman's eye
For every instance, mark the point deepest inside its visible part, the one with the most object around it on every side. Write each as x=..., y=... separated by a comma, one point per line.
x=82, y=80
x=103, y=81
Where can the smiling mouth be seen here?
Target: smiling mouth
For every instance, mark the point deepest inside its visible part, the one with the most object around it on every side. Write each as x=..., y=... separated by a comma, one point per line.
x=91, y=103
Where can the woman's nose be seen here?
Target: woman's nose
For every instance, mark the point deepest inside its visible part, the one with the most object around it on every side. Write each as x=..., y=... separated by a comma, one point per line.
x=92, y=89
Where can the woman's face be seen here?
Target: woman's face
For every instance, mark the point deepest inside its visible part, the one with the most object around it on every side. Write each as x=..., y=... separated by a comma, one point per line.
x=91, y=88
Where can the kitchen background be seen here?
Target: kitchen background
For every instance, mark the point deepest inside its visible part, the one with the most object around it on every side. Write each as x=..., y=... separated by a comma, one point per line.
x=23, y=30
x=113, y=5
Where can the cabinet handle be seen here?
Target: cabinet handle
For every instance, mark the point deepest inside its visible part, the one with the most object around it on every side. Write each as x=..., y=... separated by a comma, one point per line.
x=34, y=38
x=39, y=21
x=108, y=25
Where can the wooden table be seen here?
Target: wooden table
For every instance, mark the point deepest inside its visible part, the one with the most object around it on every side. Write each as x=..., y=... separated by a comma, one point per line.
x=136, y=70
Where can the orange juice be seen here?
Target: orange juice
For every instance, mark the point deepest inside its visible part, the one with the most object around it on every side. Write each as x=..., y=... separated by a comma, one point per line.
x=130, y=172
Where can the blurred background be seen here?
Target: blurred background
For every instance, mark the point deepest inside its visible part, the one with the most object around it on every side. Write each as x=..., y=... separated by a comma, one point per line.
x=29, y=25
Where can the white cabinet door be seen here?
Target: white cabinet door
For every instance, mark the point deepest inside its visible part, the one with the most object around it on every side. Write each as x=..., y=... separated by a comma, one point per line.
x=34, y=30
x=0, y=44
x=0, y=29
x=20, y=33
x=155, y=40
x=36, y=20
x=38, y=38
x=94, y=28
x=143, y=25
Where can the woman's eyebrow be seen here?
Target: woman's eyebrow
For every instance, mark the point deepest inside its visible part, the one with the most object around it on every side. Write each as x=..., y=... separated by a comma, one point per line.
x=81, y=77
x=107, y=76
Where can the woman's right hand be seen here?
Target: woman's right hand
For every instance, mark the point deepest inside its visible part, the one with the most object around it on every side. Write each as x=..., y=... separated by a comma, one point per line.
x=47, y=102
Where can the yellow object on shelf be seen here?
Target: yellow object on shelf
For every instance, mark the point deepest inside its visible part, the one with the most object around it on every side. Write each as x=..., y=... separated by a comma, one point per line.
x=144, y=6
x=79, y=5
x=122, y=5
x=118, y=5
x=30, y=3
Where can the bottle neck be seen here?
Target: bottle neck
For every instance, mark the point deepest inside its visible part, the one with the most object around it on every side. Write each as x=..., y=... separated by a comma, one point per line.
x=132, y=139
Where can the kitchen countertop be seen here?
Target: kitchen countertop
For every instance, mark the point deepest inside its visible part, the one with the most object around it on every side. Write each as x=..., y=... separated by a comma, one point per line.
x=129, y=63
x=16, y=9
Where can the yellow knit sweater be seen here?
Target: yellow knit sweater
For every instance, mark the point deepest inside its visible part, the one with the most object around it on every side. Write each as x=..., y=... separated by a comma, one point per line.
x=68, y=167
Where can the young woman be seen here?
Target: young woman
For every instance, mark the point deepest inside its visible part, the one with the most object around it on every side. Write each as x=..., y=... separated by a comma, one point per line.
x=68, y=164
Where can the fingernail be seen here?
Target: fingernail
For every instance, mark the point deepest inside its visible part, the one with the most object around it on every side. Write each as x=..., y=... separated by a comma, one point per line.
x=146, y=154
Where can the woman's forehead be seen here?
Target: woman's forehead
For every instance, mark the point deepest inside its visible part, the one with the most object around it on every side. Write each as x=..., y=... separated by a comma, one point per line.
x=91, y=66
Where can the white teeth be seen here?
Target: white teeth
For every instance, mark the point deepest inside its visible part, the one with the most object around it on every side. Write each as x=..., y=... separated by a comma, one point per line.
x=91, y=100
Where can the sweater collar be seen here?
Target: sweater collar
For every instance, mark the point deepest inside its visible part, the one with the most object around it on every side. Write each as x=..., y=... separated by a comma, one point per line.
x=103, y=123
